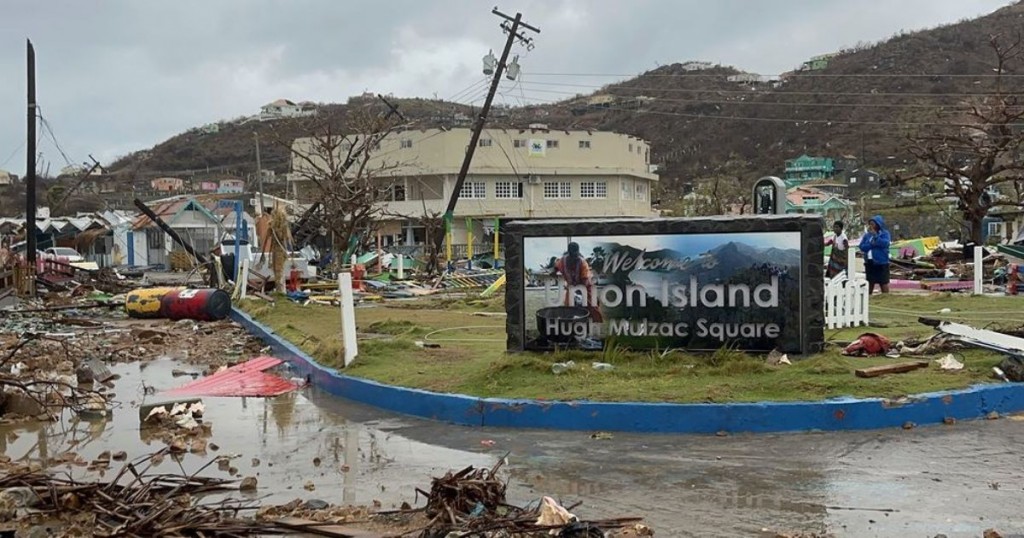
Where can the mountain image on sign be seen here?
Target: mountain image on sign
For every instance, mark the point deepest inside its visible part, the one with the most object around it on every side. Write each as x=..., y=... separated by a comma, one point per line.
x=693, y=291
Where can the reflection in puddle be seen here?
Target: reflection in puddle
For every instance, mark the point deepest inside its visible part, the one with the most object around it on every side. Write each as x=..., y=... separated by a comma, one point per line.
x=286, y=442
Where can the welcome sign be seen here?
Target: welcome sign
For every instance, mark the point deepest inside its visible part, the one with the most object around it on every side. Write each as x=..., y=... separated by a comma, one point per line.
x=749, y=283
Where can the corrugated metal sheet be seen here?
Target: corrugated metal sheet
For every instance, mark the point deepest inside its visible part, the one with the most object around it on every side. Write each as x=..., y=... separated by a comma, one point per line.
x=246, y=379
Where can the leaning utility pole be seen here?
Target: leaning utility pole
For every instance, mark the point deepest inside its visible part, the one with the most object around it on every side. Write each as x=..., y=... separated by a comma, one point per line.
x=30, y=173
x=511, y=27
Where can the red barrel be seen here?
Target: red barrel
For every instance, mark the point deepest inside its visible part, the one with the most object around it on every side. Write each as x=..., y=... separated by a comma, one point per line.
x=197, y=304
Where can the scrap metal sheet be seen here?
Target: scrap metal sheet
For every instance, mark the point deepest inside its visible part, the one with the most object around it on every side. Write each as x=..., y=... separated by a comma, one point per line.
x=246, y=379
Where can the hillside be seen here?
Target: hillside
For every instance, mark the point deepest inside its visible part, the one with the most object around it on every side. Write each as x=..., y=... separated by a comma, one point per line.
x=863, y=104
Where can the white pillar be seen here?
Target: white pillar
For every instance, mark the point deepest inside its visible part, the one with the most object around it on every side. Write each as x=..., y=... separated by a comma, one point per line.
x=348, y=317
x=353, y=260
x=851, y=263
x=401, y=267
x=243, y=279
x=979, y=270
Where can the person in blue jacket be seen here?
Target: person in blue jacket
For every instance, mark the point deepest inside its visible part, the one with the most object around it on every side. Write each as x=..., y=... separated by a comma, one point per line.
x=875, y=246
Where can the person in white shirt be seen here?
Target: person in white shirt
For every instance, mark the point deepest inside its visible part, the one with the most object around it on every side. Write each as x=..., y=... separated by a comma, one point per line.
x=837, y=260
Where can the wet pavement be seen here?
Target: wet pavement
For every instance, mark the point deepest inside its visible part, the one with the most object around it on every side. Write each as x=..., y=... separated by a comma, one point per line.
x=957, y=480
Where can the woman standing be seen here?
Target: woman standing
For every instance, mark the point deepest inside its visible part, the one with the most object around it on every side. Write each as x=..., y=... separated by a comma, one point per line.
x=875, y=246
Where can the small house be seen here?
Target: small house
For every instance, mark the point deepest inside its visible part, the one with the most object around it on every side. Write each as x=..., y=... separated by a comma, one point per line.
x=810, y=200
x=806, y=168
x=863, y=179
x=231, y=186
x=7, y=178
x=202, y=221
x=208, y=186
x=167, y=184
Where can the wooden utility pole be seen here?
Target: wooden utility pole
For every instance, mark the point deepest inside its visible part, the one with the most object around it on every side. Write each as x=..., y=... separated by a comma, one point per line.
x=511, y=27
x=30, y=172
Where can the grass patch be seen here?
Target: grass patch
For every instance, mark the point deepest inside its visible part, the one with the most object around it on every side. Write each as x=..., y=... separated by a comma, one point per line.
x=472, y=358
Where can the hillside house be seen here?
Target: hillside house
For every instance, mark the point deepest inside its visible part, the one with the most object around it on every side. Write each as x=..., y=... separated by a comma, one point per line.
x=167, y=184
x=7, y=178
x=810, y=200
x=806, y=168
x=283, y=108
x=201, y=220
x=208, y=186
x=862, y=179
x=817, y=63
x=555, y=174
x=231, y=186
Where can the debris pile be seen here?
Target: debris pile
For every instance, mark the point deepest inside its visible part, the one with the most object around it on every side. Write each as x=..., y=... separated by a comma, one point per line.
x=181, y=427
x=138, y=502
x=473, y=501
x=134, y=502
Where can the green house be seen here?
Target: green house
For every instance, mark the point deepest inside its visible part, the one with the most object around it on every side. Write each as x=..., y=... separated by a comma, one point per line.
x=806, y=168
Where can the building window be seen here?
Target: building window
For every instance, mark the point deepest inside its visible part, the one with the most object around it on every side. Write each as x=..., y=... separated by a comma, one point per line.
x=473, y=190
x=406, y=143
x=519, y=143
x=485, y=142
x=995, y=228
x=641, y=191
x=627, y=189
x=584, y=144
x=396, y=193
x=554, y=190
x=508, y=189
x=631, y=148
x=552, y=144
x=594, y=189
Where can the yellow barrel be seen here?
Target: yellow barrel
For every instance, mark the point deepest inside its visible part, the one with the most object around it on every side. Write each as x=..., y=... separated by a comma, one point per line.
x=145, y=303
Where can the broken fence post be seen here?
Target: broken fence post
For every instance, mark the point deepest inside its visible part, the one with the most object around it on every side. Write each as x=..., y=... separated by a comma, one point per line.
x=401, y=267
x=244, y=279
x=979, y=270
x=348, y=317
x=851, y=263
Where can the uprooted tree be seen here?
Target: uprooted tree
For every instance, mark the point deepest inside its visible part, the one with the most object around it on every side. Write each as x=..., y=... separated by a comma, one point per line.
x=980, y=148
x=349, y=176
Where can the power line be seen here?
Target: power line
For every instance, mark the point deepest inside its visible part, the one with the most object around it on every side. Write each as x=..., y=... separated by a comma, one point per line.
x=49, y=130
x=775, y=120
x=792, y=74
x=612, y=88
x=13, y=153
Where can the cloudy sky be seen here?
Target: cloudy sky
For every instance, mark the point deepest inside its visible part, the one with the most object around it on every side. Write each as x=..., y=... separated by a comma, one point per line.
x=116, y=76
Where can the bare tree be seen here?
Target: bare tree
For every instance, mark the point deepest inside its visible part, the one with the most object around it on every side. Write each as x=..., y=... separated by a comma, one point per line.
x=350, y=177
x=720, y=195
x=981, y=149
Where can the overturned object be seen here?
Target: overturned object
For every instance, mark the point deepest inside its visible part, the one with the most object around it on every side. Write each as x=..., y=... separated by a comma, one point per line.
x=206, y=304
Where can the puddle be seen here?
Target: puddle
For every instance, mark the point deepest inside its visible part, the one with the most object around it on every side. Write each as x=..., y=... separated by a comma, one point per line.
x=957, y=480
x=358, y=462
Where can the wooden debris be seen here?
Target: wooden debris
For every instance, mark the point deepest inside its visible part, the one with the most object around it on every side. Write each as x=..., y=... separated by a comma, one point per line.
x=897, y=368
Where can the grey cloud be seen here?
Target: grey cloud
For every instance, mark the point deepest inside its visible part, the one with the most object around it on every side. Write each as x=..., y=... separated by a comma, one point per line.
x=119, y=75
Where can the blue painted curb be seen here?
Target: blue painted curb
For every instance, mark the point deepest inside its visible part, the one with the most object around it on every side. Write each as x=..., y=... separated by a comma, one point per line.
x=835, y=414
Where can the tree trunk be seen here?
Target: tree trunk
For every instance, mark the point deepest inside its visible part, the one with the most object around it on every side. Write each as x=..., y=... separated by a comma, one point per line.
x=977, y=226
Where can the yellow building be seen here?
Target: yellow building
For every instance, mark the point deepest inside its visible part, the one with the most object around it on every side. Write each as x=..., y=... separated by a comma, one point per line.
x=515, y=174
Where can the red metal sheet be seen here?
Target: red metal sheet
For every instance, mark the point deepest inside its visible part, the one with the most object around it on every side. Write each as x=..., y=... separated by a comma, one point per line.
x=246, y=379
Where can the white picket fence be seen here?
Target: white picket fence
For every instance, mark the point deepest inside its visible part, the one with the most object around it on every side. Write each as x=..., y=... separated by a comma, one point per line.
x=846, y=302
